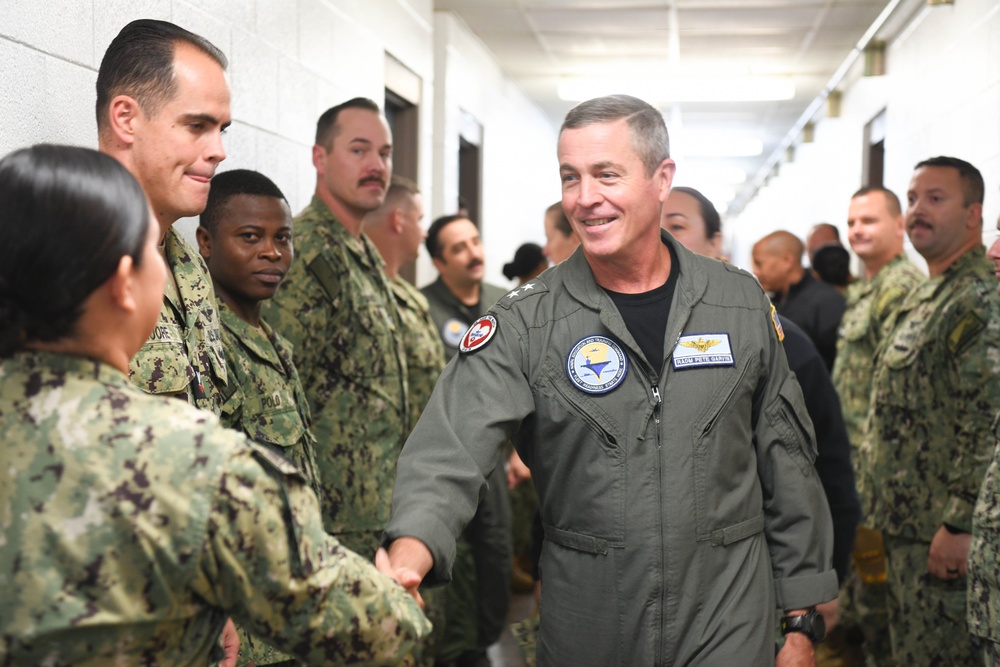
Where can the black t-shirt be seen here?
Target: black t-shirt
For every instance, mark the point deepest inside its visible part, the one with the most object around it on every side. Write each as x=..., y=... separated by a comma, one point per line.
x=646, y=314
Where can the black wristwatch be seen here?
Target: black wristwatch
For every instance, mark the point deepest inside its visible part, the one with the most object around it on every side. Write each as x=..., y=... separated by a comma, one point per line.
x=810, y=624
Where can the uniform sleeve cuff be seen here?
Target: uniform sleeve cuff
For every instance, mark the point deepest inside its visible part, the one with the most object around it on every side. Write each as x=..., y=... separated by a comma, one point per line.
x=806, y=591
x=431, y=532
x=958, y=513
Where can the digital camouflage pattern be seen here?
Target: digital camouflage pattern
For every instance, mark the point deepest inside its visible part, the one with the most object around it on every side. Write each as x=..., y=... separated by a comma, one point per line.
x=984, y=557
x=266, y=401
x=424, y=352
x=935, y=389
x=186, y=344
x=927, y=626
x=131, y=527
x=871, y=312
x=336, y=309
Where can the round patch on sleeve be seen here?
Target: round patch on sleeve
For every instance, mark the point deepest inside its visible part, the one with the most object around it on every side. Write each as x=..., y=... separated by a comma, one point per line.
x=596, y=365
x=453, y=331
x=479, y=334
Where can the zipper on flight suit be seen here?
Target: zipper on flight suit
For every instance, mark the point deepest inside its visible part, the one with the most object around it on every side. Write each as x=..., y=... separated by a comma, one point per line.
x=658, y=403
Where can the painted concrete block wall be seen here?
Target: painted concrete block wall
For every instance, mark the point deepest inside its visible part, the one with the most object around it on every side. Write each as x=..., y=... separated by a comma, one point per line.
x=941, y=94
x=289, y=61
x=519, y=169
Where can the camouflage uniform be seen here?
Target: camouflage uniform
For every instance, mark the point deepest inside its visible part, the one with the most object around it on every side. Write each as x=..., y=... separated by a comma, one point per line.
x=424, y=363
x=936, y=384
x=871, y=312
x=268, y=404
x=984, y=559
x=424, y=353
x=336, y=309
x=183, y=356
x=133, y=526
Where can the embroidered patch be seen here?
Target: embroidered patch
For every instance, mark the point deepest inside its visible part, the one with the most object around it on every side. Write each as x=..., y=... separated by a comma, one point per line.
x=452, y=332
x=478, y=334
x=596, y=365
x=777, y=324
x=967, y=329
x=705, y=349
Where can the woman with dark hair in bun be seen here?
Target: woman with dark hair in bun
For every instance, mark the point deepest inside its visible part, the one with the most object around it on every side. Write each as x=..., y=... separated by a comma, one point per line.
x=132, y=526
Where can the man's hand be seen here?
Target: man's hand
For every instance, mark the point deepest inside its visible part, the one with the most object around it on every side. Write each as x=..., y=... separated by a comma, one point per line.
x=949, y=554
x=830, y=611
x=798, y=651
x=230, y=644
x=517, y=472
x=407, y=562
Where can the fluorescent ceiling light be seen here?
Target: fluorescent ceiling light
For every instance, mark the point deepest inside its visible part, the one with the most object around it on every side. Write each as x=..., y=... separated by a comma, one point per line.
x=657, y=89
x=695, y=143
x=689, y=171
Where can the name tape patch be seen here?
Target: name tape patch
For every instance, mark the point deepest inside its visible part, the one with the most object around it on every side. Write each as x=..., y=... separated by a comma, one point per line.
x=596, y=365
x=704, y=349
x=479, y=334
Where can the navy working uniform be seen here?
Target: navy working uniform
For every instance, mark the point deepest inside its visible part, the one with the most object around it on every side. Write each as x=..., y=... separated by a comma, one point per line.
x=680, y=504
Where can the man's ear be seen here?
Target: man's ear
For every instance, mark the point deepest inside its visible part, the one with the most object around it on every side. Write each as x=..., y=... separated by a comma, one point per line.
x=665, y=178
x=396, y=220
x=319, y=159
x=121, y=287
x=123, y=113
x=204, y=242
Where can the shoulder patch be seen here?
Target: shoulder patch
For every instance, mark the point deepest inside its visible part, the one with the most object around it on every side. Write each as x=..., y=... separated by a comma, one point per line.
x=529, y=288
x=479, y=334
x=326, y=277
x=888, y=301
x=777, y=324
x=453, y=331
x=964, y=332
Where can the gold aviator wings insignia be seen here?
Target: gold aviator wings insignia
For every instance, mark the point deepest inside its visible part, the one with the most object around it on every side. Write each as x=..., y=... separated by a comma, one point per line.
x=701, y=344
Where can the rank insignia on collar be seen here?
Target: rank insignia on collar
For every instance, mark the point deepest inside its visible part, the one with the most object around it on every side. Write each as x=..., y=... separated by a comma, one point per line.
x=452, y=332
x=596, y=365
x=706, y=349
x=479, y=334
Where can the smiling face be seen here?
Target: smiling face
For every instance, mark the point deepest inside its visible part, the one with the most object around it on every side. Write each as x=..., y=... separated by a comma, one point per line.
x=612, y=204
x=873, y=230
x=356, y=168
x=174, y=153
x=250, y=251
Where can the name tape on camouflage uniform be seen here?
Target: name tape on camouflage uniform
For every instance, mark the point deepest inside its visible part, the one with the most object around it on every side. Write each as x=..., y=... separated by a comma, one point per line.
x=596, y=365
x=479, y=334
x=453, y=331
x=704, y=349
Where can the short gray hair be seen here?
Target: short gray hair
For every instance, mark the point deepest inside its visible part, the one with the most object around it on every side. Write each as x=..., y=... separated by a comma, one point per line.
x=647, y=130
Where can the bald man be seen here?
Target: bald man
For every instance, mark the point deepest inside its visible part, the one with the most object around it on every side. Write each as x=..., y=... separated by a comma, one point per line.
x=821, y=234
x=798, y=296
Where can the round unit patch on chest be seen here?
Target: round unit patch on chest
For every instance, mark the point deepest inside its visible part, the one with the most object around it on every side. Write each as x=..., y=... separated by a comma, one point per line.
x=596, y=365
x=452, y=331
x=478, y=334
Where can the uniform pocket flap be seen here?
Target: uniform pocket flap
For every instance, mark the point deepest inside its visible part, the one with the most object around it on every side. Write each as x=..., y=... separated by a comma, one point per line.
x=737, y=532
x=578, y=541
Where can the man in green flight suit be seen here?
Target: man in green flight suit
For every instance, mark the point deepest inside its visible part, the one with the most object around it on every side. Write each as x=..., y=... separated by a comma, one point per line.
x=336, y=308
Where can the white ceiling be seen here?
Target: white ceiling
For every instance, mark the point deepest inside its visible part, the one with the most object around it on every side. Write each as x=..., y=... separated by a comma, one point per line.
x=543, y=42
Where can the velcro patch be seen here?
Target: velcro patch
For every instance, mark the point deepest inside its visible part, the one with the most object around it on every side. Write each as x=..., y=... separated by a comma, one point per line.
x=707, y=349
x=964, y=332
x=479, y=334
x=325, y=276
